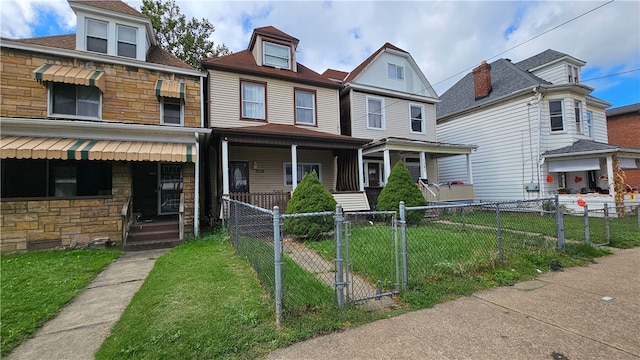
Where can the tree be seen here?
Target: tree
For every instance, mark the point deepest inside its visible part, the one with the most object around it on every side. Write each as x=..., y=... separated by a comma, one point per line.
x=188, y=40
x=401, y=187
x=310, y=196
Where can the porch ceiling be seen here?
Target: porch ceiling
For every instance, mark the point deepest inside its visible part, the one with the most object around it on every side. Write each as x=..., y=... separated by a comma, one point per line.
x=287, y=135
x=437, y=149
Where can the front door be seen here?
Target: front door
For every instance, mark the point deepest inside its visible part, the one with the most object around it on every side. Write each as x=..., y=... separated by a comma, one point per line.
x=170, y=188
x=239, y=176
x=373, y=174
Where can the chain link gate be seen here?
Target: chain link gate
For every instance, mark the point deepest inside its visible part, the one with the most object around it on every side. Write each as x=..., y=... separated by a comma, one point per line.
x=371, y=256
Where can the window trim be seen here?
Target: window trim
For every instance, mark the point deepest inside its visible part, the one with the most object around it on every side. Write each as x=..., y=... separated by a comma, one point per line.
x=86, y=35
x=562, y=114
x=118, y=41
x=264, y=86
x=423, y=120
x=573, y=74
x=396, y=67
x=314, y=93
x=300, y=173
x=577, y=106
x=382, y=120
x=264, y=55
x=51, y=114
x=162, y=102
x=589, y=123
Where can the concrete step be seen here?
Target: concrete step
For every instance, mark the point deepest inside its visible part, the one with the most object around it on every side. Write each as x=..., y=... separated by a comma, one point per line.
x=151, y=244
x=154, y=235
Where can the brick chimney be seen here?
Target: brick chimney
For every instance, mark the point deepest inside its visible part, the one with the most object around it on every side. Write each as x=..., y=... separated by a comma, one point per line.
x=482, y=80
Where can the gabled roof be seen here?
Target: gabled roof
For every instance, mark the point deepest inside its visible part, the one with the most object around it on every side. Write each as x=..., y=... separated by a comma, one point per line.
x=272, y=32
x=155, y=55
x=506, y=78
x=624, y=110
x=360, y=68
x=584, y=147
x=335, y=75
x=544, y=57
x=111, y=5
x=244, y=62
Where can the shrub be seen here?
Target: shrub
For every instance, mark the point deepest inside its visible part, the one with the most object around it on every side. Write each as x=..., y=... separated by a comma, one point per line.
x=310, y=196
x=400, y=187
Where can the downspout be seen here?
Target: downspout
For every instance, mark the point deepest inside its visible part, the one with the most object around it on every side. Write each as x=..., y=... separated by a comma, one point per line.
x=538, y=102
x=196, y=197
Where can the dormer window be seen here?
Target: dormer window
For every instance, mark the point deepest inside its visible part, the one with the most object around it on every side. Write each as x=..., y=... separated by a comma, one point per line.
x=127, y=41
x=396, y=71
x=573, y=74
x=97, y=36
x=276, y=55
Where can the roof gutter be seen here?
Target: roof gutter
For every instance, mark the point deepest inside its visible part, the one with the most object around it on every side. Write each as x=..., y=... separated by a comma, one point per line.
x=389, y=93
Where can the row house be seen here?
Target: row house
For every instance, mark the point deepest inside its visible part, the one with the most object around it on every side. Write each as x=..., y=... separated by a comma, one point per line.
x=101, y=133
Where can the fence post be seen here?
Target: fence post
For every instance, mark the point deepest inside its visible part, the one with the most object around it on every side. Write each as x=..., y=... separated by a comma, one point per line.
x=560, y=224
x=587, y=234
x=403, y=242
x=607, y=225
x=235, y=226
x=499, y=227
x=338, y=220
x=277, y=261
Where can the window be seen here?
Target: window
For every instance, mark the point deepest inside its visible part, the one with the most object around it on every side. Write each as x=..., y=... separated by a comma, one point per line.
x=395, y=71
x=413, y=165
x=578, y=111
x=555, y=115
x=589, y=124
x=171, y=111
x=126, y=41
x=303, y=169
x=375, y=115
x=572, y=72
x=305, y=107
x=97, y=36
x=78, y=100
x=54, y=178
x=276, y=55
x=253, y=100
x=417, y=119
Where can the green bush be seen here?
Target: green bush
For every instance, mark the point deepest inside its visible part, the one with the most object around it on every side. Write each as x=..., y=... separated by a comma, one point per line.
x=310, y=196
x=401, y=187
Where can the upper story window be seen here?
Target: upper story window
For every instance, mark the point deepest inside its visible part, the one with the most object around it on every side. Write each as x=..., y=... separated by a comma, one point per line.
x=555, y=115
x=127, y=41
x=172, y=111
x=75, y=100
x=589, y=124
x=395, y=71
x=253, y=100
x=97, y=36
x=276, y=55
x=578, y=111
x=573, y=73
x=375, y=113
x=305, y=107
x=417, y=119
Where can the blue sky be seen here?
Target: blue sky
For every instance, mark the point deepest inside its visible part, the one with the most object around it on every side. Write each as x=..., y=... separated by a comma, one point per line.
x=446, y=38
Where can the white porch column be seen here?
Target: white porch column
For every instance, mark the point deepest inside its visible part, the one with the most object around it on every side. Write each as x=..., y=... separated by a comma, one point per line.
x=423, y=165
x=360, y=170
x=294, y=167
x=225, y=167
x=387, y=165
x=610, y=175
x=469, y=169
x=196, y=195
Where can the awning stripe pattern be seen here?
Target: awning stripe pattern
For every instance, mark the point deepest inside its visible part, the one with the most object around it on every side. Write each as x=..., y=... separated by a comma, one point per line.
x=25, y=147
x=70, y=75
x=171, y=89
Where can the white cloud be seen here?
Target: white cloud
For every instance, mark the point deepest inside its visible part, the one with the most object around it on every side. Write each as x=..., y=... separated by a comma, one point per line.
x=18, y=18
x=445, y=38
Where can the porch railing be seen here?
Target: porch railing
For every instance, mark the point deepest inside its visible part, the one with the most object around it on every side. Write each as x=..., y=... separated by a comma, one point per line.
x=181, y=216
x=127, y=219
x=265, y=200
x=446, y=192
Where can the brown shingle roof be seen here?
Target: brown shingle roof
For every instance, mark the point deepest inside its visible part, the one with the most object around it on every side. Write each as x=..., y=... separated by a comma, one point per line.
x=335, y=74
x=291, y=131
x=369, y=60
x=244, y=62
x=272, y=32
x=158, y=55
x=111, y=5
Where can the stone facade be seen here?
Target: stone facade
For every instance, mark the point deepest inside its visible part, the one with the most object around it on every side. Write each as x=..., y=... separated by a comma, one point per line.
x=129, y=96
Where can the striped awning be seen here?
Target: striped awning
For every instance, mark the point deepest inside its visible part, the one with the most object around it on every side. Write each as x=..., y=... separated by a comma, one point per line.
x=171, y=89
x=70, y=75
x=26, y=147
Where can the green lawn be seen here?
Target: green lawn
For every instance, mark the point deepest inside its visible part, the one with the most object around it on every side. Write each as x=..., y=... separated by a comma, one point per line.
x=36, y=285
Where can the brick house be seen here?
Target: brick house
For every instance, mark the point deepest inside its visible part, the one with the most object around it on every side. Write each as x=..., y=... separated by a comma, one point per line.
x=100, y=129
x=623, y=126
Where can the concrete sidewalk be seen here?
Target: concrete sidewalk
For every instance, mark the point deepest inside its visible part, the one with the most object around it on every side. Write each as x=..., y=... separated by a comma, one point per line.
x=580, y=313
x=81, y=327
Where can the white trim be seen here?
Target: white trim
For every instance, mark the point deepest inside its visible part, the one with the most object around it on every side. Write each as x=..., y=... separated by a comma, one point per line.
x=382, y=120
x=51, y=114
x=380, y=172
x=313, y=106
x=162, y=101
x=424, y=122
x=391, y=93
x=135, y=43
x=264, y=55
x=564, y=117
x=395, y=66
x=284, y=172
